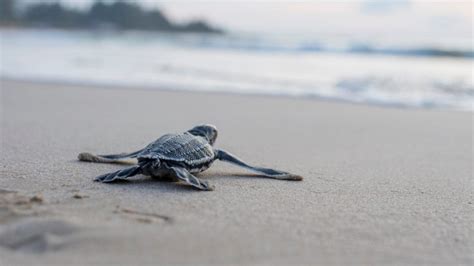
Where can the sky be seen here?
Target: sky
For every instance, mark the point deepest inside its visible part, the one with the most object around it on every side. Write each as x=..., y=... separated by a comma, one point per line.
x=450, y=18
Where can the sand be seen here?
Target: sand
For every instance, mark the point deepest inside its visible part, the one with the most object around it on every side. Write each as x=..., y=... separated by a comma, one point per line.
x=382, y=185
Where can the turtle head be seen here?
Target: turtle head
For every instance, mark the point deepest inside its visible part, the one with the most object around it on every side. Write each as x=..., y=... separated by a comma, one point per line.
x=208, y=132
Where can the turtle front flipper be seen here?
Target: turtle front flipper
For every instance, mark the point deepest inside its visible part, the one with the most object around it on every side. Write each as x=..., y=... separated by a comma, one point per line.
x=121, y=174
x=268, y=172
x=185, y=176
x=124, y=158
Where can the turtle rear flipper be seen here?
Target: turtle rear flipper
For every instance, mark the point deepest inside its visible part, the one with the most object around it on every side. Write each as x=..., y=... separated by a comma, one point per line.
x=121, y=174
x=268, y=172
x=185, y=176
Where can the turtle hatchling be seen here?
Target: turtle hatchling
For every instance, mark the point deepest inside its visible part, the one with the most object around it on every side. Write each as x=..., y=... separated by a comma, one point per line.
x=178, y=157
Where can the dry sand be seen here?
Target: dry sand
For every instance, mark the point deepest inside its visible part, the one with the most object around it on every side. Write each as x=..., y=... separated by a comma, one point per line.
x=382, y=185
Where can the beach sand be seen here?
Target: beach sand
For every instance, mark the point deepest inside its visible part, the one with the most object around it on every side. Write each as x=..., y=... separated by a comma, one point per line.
x=382, y=185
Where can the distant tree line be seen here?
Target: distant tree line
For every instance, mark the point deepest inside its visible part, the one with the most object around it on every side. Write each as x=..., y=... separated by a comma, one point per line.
x=7, y=14
x=113, y=15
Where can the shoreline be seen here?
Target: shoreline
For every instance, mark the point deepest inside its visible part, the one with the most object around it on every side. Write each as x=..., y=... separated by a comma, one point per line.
x=381, y=185
x=112, y=86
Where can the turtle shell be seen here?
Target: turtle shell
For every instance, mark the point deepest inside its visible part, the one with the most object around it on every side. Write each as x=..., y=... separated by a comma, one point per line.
x=187, y=148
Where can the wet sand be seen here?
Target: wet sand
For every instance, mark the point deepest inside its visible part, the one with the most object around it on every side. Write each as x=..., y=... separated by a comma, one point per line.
x=382, y=185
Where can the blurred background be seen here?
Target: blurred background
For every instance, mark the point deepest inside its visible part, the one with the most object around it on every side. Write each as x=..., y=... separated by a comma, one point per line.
x=404, y=53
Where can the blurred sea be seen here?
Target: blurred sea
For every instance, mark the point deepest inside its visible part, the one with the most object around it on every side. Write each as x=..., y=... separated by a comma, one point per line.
x=405, y=74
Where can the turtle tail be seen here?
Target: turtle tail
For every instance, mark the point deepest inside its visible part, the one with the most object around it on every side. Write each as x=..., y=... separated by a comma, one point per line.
x=121, y=174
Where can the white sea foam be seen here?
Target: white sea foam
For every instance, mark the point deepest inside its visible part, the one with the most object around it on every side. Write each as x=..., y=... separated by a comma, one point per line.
x=233, y=64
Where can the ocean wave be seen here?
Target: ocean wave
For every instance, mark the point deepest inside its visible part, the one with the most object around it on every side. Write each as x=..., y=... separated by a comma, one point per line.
x=422, y=52
x=261, y=44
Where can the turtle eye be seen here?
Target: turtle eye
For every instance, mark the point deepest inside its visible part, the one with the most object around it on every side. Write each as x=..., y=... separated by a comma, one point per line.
x=213, y=137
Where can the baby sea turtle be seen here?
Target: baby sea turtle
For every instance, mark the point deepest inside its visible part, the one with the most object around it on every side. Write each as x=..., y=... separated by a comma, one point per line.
x=178, y=157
